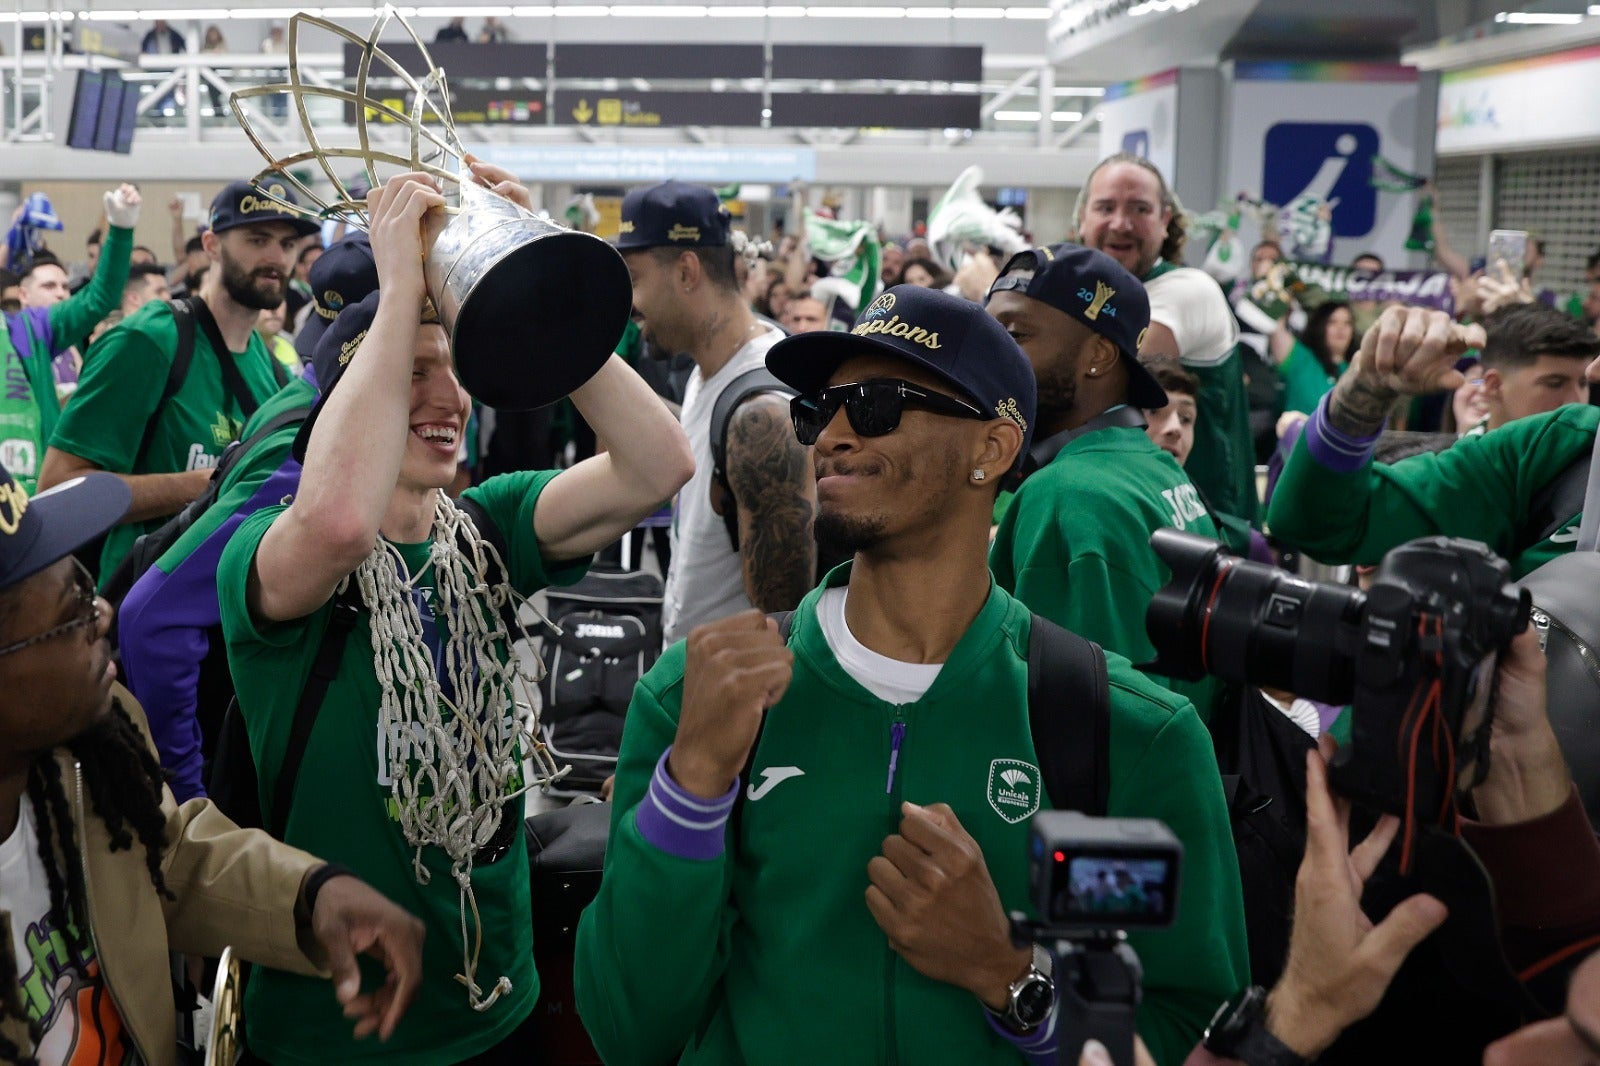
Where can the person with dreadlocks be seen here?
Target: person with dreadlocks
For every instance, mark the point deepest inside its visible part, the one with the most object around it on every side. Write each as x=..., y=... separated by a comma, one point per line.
x=414, y=770
x=101, y=872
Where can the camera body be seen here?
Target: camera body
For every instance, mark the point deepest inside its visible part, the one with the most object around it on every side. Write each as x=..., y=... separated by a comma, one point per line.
x=1092, y=876
x=1415, y=655
x=1090, y=879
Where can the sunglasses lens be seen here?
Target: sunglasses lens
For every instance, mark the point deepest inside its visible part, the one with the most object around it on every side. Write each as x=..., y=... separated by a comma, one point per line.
x=809, y=418
x=875, y=409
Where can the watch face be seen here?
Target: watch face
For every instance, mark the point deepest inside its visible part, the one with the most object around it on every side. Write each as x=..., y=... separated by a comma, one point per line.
x=1034, y=1000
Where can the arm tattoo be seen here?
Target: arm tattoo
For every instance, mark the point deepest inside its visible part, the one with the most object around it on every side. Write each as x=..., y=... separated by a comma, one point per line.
x=1359, y=407
x=775, y=491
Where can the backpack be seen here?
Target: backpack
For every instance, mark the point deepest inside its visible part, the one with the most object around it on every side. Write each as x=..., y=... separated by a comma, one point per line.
x=610, y=635
x=186, y=313
x=1069, y=713
x=747, y=385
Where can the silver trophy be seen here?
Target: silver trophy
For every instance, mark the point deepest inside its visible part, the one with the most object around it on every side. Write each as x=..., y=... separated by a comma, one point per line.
x=532, y=308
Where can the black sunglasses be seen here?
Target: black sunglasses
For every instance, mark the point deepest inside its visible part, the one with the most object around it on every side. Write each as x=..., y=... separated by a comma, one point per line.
x=873, y=407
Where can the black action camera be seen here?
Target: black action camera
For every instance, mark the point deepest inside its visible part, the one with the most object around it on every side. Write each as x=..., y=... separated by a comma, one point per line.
x=1090, y=880
x=1415, y=655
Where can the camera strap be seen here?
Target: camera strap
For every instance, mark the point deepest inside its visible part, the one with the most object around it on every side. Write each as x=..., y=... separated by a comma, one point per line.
x=1589, y=528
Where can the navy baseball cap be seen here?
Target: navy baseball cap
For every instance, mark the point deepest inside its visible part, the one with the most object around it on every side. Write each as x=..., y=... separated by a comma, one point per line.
x=341, y=277
x=954, y=338
x=1097, y=291
x=241, y=203
x=37, y=531
x=673, y=214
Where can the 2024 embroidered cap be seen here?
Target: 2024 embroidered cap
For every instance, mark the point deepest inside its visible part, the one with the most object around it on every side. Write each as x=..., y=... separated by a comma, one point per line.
x=37, y=531
x=1096, y=290
x=673, y=214
x=341, y=277
x=954, y=338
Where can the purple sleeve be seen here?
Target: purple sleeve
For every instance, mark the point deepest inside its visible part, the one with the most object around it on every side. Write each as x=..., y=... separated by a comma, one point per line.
x=1336, y=451
x=680, y=823
x=164, y=632
x=1040, y=1045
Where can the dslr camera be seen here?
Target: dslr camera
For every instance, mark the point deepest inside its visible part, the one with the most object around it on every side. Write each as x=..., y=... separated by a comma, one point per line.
x=1090, y=880
x=1415, y=656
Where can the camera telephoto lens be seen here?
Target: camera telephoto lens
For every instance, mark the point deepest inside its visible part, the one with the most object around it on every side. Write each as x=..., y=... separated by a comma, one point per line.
x=1247, y=622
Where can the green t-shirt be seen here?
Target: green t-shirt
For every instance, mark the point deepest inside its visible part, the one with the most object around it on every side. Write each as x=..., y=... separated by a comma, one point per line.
x=1481, y=487
x=122, y=384
x=1075, y=543
x=1304, y=380
x=342, y=813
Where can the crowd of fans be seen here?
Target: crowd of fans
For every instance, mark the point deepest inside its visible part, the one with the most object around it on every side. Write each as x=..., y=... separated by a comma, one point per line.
x=889, y=518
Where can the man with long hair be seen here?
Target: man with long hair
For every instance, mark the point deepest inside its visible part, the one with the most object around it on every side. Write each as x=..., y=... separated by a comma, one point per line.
x=101, y=873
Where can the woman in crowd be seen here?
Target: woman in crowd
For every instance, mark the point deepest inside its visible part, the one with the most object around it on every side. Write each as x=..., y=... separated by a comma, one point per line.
x=924, y=272
x=1312, y=362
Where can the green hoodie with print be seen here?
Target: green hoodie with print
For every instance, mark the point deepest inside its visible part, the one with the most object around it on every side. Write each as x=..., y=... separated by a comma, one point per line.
x=764, y=952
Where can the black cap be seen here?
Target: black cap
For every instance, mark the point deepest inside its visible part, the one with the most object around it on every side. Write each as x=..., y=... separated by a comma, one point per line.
x=335, y=349
x=1096, y=290
x=241, y=203
x=36, y=532
x=954, y=338
x=674, y=214
x=343, y=275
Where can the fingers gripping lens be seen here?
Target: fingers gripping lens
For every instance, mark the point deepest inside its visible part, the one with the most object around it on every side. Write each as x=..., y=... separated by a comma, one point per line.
x=873, y=407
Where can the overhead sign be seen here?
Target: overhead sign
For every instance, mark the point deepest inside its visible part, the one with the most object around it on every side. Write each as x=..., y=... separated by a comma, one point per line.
x=659, y=61
x=1528, y=103
x=652, y=109
x=875, y=62
x=918, y=111
x=618, y=165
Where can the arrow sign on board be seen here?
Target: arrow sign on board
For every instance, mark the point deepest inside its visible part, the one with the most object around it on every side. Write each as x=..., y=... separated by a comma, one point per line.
x=583, y=112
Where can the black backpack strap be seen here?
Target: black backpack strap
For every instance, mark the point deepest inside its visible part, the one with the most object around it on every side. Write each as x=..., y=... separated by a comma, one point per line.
x=346, y=612
x=750, y=383
x=1069, y=713
x=182, y=359
x=232, y=379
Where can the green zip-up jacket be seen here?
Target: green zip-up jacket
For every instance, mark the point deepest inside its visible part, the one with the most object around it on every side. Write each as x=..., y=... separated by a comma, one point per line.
x=1480, y=487
x=1075, y=543
x=760, y=949
x=29, y=407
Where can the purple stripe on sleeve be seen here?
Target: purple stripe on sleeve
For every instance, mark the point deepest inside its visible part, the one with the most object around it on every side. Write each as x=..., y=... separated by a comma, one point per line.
x=1336, y=451
x=681, y=823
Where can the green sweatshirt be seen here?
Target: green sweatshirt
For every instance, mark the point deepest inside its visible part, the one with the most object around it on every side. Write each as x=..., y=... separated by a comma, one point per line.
x=1480, y=487
x=29, y=406
x=1304, y=380
x=1075, y=543
x=762, y=950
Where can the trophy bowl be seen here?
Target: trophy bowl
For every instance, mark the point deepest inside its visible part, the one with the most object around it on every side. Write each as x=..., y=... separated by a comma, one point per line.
x=533, y=309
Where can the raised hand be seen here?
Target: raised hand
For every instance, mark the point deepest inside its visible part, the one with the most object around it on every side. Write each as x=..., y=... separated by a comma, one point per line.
x=736, y=668
x=405, y=213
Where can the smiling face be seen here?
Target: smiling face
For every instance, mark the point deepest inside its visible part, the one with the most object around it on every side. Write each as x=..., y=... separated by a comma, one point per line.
x=439, y=408
x=1124, y=216
x=875, y=492
x=657, y=292
x=60, y=687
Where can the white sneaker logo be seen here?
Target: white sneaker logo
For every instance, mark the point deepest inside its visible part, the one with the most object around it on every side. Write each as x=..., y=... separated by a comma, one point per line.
x=1566, y=536
x=772, y=777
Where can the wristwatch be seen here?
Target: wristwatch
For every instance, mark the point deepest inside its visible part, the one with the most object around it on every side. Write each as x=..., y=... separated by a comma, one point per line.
x=1031, y=996
x=1239, y=1031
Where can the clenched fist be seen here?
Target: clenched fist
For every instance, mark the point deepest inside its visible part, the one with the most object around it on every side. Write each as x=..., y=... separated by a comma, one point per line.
x=736, y=669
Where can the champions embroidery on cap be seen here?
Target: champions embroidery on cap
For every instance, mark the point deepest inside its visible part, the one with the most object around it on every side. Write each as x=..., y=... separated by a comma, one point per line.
x=1007, y=408
x=1143, y=333
x=625, y=227
x=680, y=232
x=347, y=350
x=249, y=204
x=896, y=328
x=13, y=505
x=1097, y=301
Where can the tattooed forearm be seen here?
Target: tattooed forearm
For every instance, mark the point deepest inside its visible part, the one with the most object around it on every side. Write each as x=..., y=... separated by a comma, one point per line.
x=1359, y=406
x=775, y=490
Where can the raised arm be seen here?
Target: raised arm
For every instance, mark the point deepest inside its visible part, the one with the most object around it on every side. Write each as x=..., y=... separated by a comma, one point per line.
x=647, y=459
x=776, y=489
x=353, y=459
x=74, y=318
